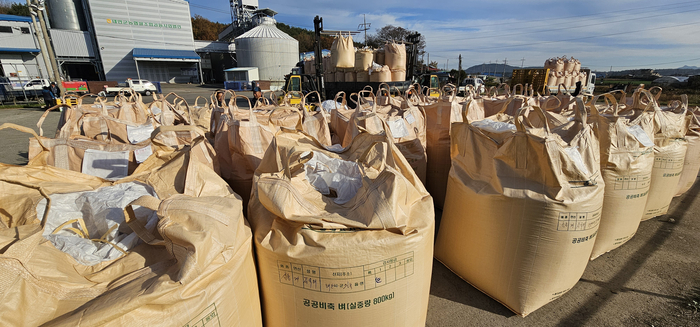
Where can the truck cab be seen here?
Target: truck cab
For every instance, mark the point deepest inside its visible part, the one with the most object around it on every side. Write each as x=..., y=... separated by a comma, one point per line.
x=138, y=85
x=475, y=82
x=36, y=85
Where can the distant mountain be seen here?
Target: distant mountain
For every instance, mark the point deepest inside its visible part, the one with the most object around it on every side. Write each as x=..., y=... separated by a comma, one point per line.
x=689, y=67
x=490, y=69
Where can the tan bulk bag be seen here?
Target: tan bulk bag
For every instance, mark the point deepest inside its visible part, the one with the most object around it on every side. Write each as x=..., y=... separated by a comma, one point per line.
x=670, y=128
x=407, y=127
x=350, y=76
x=522, y=209
x=345, y=51
x=382, y=75
x=81, y=154
x=194, y=264
x=380, y=57
x=561, y=78
x=200, y=114
x=398, y=75
x=395, y=56
x=552, y=78
x=329, y=77
x=626, y=161
x=310, y=66
x=569, y=64
x=247, y=139
x=315, y=123
x=568, y=79
x=219, y=106
x=439, y=115
x=339, y=76
x=363, y=59
x=559, y=64
x=363, y=77
x=340, y=117
x=577, y=66
x=691, y=163
x=360, y=255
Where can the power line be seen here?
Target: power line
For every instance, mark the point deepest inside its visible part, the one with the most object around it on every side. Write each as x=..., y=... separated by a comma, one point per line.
x=656, y=64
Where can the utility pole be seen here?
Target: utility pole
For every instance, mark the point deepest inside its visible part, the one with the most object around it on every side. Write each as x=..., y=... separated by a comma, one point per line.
x=505, y=61
x=39, y=7
x=364, y=27
x=41, y=42
x=459, y=71
x=522, y=62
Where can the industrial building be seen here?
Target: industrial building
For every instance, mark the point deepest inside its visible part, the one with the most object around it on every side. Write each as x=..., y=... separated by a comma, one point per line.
x=119, y=39
x=19, y=50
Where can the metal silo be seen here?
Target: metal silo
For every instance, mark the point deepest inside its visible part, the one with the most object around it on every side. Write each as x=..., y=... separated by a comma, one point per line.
x=269, y=49
x=66, y=14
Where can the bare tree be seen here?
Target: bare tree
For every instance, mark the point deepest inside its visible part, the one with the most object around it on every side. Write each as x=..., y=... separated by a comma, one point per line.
x=391, y=33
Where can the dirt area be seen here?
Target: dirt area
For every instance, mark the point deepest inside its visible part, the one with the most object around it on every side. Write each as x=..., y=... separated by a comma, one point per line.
x=652, y=280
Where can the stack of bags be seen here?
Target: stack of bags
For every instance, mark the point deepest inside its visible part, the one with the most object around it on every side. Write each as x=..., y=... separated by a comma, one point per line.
x=563, y=71
x=342, y=58
x=395, y=58
x=122, y=219
x=539, y=188
x=363, y=62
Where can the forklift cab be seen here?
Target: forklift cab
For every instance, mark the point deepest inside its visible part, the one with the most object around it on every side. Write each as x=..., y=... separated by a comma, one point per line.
x=433, y=83
x=299, y=85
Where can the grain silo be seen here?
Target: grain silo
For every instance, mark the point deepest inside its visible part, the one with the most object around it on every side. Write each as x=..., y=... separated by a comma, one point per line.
x=266, y=47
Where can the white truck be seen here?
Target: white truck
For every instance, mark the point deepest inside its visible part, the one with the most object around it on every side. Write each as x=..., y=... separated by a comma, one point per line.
x=475, y=82
x=138, y=85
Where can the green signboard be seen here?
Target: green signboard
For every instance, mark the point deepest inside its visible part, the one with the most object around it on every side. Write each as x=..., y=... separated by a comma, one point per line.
x=144, y=24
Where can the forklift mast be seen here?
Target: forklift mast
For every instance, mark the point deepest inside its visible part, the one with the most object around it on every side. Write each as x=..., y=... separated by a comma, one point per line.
x=318, y=54
x=412, y=55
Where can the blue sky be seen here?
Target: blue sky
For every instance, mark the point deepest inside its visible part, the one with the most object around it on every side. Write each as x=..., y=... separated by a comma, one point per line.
x=624, y=34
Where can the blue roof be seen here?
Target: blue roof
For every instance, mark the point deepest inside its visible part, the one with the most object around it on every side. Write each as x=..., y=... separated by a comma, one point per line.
x=162, y=53
x=13, y=18
x=18, y=50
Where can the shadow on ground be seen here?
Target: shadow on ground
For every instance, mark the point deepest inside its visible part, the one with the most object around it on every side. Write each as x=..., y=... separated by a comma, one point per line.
x=587, y=309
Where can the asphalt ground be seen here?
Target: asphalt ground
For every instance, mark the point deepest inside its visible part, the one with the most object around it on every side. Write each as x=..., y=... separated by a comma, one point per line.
x=652, y=280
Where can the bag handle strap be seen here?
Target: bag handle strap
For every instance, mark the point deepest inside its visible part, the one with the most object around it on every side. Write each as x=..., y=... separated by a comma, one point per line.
x=40, y=123
x=515, y=89
x=344, y=103
x=196, y=101
x=520, y=116
x=25, y=130
x=138, y=226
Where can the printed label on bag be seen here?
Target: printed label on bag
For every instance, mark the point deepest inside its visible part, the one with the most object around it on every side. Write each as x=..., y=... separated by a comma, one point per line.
x=398, y=128
x=668, y=163
x=409, y=118
x=640, y=135
x=346, y=280
x=138, y=134
x=107, y=165
x=355, y=305
x=207, y=318
x=578, y=221
x=143, y=153
x=630, y=182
